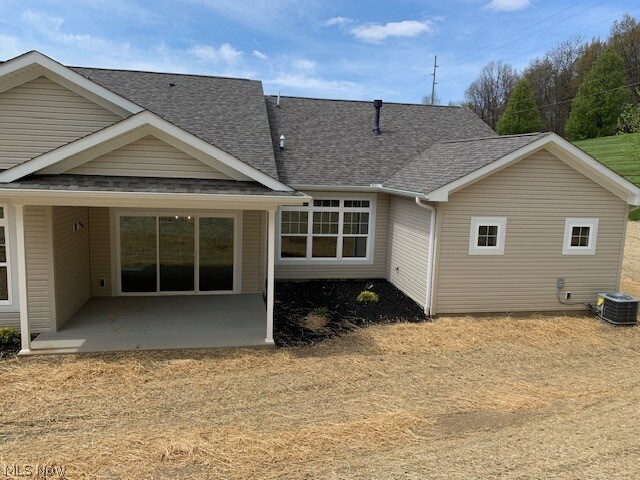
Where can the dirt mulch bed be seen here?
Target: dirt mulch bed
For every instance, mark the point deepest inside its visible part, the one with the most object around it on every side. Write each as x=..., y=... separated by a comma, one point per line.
x=312, y=311
x=8, y=352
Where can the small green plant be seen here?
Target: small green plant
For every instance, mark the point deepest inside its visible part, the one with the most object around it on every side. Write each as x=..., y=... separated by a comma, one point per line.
x=9, y=338
x=367, y=296
x=321, y=311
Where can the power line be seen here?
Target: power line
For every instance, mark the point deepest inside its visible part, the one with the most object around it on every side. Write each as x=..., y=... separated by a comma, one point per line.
x=526, y=36
x=547, y=44
x=629, y=85
x=422, y=77
x=515, y=34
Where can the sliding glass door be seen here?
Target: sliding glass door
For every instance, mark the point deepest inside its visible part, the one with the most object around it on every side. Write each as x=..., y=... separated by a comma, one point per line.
x=216, y=254
x=176, y=254
x=138, y=254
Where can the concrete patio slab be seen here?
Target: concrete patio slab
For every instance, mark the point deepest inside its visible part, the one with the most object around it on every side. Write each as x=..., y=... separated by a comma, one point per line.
x=156, y=323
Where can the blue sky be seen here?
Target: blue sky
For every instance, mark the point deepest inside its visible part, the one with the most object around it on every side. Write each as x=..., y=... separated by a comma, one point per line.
x=316, y=48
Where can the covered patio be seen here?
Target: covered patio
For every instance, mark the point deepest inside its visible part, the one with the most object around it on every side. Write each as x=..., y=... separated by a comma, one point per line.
x=200, y=274
x=154, y=323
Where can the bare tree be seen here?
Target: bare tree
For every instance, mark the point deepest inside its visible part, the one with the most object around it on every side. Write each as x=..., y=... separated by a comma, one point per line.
x=553, y=79
x=489, y=92
x=625, y=40
x=426, y=100
x=539, y=71
x=590, y=52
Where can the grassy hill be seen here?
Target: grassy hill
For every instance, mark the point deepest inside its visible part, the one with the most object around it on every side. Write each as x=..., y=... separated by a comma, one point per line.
x=612, y=151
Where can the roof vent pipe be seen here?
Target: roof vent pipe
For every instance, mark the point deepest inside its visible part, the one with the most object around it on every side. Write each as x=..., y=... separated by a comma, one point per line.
x=281, y=142
x=377, y=104
x=278, y=100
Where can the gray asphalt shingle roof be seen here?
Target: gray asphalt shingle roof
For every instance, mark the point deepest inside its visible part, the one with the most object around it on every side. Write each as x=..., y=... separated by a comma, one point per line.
x=445, y=162
x=99, y=183
x=229, y=113
x=330, y=142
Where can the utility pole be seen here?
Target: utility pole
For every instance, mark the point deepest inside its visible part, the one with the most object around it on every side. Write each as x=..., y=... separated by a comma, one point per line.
x=433, y=84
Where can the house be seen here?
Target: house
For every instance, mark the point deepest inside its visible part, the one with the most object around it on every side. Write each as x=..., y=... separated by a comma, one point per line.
x=175, y=202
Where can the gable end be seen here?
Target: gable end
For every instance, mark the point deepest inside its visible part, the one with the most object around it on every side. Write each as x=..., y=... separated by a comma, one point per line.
x=41, y=115
x=148, y=157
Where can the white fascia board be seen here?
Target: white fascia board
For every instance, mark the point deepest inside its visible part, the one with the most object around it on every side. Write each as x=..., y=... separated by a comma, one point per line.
x=373, y=188
x=403, y=193
x=127, y=125
x=55, y=69
x=334, y=188
x=602, y=175
x=149, y=199
x=631, y=191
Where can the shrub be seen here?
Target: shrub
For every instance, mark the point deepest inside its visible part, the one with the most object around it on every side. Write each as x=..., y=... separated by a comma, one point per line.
x=9, y=338
x=367, y=296
x=321, y=311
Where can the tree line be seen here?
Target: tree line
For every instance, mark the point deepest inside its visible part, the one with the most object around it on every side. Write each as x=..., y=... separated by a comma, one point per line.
x=579, y=89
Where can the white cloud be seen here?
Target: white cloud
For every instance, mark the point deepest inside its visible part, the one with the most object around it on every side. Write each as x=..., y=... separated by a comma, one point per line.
x=337, y=21
x=260, y=14
x=10, y=47
x=225, y=52
x=305, y=65
x=51, y=27
x=307, y=82
x=228, y=53
x=376, y=32
x=205, y=52
x=507, y=5
x=260, y=55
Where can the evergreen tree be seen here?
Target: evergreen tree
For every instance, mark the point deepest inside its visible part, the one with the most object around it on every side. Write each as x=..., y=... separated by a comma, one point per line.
x=522, y=114
x=600, y=99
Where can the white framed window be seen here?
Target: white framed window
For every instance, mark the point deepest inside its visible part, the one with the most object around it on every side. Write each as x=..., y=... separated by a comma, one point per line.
x=334, y=229
x=487, y=235
x=580, y=235
x=5, y=255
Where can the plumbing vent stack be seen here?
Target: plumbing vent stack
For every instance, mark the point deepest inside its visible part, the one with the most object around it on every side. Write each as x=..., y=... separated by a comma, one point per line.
x=377, y=104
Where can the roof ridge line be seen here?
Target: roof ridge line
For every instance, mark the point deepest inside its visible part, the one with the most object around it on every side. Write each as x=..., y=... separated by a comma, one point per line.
x=362, y=101
x=199, y=75
x=495, y=137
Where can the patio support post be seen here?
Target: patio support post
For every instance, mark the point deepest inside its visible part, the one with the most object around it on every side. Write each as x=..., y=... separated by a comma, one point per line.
x=25, y=331
x=271, y=251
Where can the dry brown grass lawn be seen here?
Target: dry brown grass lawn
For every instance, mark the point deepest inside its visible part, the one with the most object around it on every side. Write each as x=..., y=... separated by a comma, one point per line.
x=537, y=397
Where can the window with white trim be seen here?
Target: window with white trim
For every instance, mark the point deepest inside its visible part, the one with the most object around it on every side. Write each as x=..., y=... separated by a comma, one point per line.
x=327, y=229
x=487, y=235
x=580, y=235
x=5, y=277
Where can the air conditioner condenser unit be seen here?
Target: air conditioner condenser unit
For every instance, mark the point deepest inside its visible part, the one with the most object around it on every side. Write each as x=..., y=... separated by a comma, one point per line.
x=618, y=308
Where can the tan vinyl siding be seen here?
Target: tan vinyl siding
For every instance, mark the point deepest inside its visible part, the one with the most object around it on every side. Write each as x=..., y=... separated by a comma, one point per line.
x=39, y=286
x=37, y=238
x=148, y=157
x=375, y=270
x=72, y=265
x=251, y=240
x=12, y=319
x=264, y=215
x=100, y=247
x=408, y=247
x=536, y=195
x=41, y=115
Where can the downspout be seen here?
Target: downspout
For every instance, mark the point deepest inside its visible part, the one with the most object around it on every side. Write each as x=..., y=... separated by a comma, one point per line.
x=432, y=230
